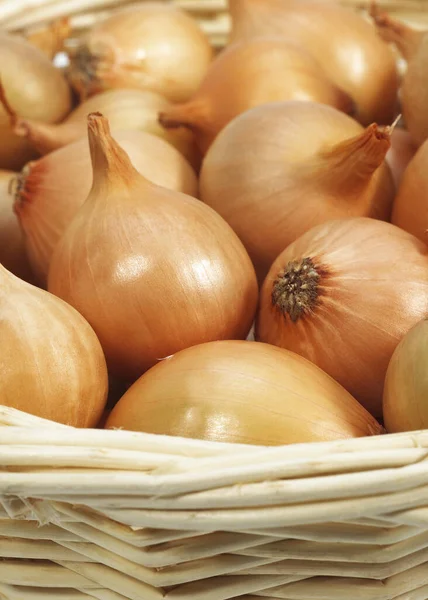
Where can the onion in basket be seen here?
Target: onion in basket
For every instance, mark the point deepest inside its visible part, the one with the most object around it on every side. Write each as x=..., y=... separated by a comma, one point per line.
x=346, y=47
x=343, y=296
x=51, y=362
x=153, y=46
x=242, y=392
x=246, y=75
x=51, y=190
x=153, y=271
x=282, y=168
x=405, y=397
x=35, y=88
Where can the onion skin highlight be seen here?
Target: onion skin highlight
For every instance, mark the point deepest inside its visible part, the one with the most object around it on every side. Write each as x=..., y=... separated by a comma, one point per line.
x=405, y=397
x=365, y=284
x=241, y=392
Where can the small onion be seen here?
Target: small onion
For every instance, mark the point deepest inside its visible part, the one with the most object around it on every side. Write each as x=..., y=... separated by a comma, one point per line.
x=343, y=296
x=13, y=255
x=125, y=109
x=246, y=75
x=151, y=46
x=282, y=168
x=346, y=47
x=410, y=210
x=51, y=190
x=51, y=362
x=241, y=392
x=36, y=90
x=405, y=397
x=153, y=271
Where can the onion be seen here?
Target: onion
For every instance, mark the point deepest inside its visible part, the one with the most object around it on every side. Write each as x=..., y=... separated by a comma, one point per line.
x=35, y=88
x=125, y=109
x=410, y=210
x=246, y=75
x=13, y=255
x=345, y=46
x=151, y=46
x=52, y=365
x=405, y=397
x=243, y=392
x=153, y=271
x=280, y=169
x=400, y=154
x=343, y=296
x=51, y=190
x=413, y=46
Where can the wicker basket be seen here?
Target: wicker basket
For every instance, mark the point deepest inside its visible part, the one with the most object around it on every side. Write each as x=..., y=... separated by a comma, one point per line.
x=125, y=516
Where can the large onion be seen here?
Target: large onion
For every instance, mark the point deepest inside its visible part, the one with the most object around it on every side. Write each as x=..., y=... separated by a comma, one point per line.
x=13, y=255
x=280, y=169
x=343, y=296
x=346, y=47
x=125, y=109
x=242, y=392
x=151, y=46
x=52, y=365
x=246, y=75
x=51, y=190
x=410, y=211
x=154, y=271
x=405, y=397
x=36, y=90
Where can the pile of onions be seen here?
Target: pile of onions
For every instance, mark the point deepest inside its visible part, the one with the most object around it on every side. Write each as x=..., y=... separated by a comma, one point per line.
x=13, y=255
x=343, y=296
x=50, y=191
x=125, y=109
x=410, y=210
x=413, y=45
x=153, y=46
x=246, y=75
x=405, y=397
x=258, y=394
x=52, y=365
x=280, y=169
x=400, y=154
x=346, y=47
x=152, y=270
x=35, y=88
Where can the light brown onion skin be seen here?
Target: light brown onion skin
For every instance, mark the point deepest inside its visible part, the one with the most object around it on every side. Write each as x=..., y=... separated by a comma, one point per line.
x=152, y=46
x=152, y=270
x=373, y=288
x=405, y=396
x=249, y=74
x=53, y=188
x=410, y=210
x=241, y=392
x=52, y=363
x=13, y=255
x=348, y=49
x=402, y=150
x=35, y=89
x=268, y=175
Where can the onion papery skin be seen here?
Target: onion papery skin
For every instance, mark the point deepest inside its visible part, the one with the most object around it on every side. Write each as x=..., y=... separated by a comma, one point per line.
x=159, y=271
x=282, y=168
x=402, y=151
x=366, y=286
x=241, y=392
x=126, y=109
x=346, y=46
x=13, y=255
x=52, y=365
x=153, y=46
x=405, y=396
x=35, y=89
x=51, y=190
x=249, y=74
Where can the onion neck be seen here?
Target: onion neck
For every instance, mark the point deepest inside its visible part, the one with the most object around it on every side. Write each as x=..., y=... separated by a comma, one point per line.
x=406, y=39
x=192, y=115
x=45, y=137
